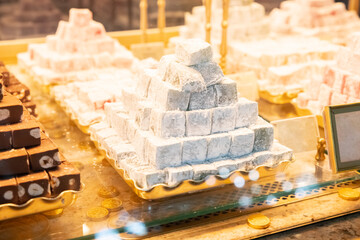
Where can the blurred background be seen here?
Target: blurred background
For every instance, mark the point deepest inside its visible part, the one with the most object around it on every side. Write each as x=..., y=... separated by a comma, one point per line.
x=35, y=18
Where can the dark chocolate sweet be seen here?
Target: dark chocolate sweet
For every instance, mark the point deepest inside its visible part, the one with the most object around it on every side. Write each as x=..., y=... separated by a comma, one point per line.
x=20, y=91
x=8, y=190
x=14, y=161
x=35, y=184
x=6, y=75
x=31, y=107
x=44, y=156
x=11, y=110
x=64, y=177
x=25, y=134
x=5, y=137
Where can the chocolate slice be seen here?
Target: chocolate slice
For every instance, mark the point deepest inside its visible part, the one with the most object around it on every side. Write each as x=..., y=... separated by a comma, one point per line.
x=6, y=75
x=64, y=177
x=14, y=161
x=45, y=156
x=25, y=134
x=13, y=80
x=8, y=190
x=11, y=110
x=35, y=184
x=20, y=91
x=5, y=137
x=1, y=87
x=31, y=107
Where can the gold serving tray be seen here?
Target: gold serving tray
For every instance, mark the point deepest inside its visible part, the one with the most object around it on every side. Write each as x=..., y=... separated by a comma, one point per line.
x=306, y=112
x=38, y=205
x=161, y=191
x=282, y=98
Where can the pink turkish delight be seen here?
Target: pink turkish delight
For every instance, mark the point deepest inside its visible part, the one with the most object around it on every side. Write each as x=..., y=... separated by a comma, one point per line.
x=80, y=17
x=338, y=98
x=325, y=95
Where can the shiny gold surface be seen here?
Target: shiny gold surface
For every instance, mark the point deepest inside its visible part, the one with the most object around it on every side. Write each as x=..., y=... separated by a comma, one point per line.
x=224, y=26
x=349, y=194
x=321, y=148
x=282, y=98
x=143, y=20
x=208, y=6
x=258, y=221
x=306, y=112
x=161, y=19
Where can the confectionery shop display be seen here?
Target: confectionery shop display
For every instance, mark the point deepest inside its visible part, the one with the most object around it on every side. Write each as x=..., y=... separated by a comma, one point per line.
x=162, y=142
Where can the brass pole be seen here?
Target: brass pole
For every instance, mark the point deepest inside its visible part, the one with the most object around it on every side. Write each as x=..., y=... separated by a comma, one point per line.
x=354, y=5
x=161, y=19
x=224, y=25
x=143, y=20
x=208, y=20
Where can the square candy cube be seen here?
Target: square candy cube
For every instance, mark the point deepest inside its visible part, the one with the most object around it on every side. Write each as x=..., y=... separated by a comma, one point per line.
x=194, y=150
x=148, y=177
x=226, y=92
x=264, y=135
x=168, y=124
x=223, y=119
x=247, y=113
x=211, y=72
x=242, y=142
x=203, y=171
x=203, y=100
x=193, y=51
x=198, y=123
x=218, y=145
x=80, y=17
x=176, y=175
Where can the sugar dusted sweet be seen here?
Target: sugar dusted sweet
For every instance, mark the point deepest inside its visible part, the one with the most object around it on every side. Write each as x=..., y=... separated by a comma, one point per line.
x=263, y=158
x=193, y=51
x=194, y=150
x=247, y=113
x=210, y=71
x=147, y=177
x=242, y=142
x=264, y=135
x=225, y=167
x=198, y=122
x=245, y=163
x=218, y=145
x=143, y=115
x=167, y=124
x=226, y=92
x=203, y=100
x=223, y=119
x=202, y=171
x=80, y=17
x=281, y=153
x=176, y=175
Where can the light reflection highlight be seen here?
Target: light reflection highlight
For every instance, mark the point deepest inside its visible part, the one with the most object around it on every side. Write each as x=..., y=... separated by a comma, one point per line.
x=239, y=182
x=254, y=175
x=137, y=228
x=107, y=235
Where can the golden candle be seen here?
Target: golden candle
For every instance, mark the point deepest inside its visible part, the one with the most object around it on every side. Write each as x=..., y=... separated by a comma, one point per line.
x=143, y=20
x=354, y=5
x=224, y=25
x=208, y=20
x=161, y=18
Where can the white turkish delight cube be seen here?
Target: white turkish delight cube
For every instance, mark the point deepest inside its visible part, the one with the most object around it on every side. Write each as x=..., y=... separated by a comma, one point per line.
x=66, y=46
x=82, y=62
x=61, y=64
x=223, y=119
x=106, y=44
x=263, y=158
x=120, y=123
x=144, y=78
x=131, y=130
x=247, y=113
x=193, y=51
x=210, y=71
x=352, y=86
x=103, y=60
x=130, y=100
x=324, y=95
x=109, y=142
x=163, y=153
x=51, y=41
x=123, y=59
x=184, y=78
x=164, y=65
x=140, y=139
x=80, y=17
x=203, y=100
x=264, y=135
x=176, y=175
x=94, y=128
x=218, y=145
x=93, y=31
x=225, y=167
x=226, y=92
x=167, y=97
x=111, y=109
x=242, y=142
x=89, y=47
x=143, y=115
x=202, y=171
x=97, y=99
x=281, y=153
x=198, y=123
x=104, y=134
x=338, y=98
x=121, y=151
x=245, y=163
x=147, y=177
x=194, y=150
x=61, y=29
x=167, y=124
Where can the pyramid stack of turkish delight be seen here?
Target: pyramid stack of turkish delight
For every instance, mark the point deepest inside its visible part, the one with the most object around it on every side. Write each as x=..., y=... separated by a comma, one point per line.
x=30, y=18
x=30, y=163
x=185, y=121
x=246, y=21
x=283, y=64
x=322, y=18
x=340, y=83
x=79, y=48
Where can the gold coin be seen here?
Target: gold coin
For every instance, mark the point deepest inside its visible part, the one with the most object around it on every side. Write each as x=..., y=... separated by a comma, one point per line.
x=108, y=192
x=97, y=213
x=54, y=213
x=112, y=204
x=349, y=194
x=258, y=221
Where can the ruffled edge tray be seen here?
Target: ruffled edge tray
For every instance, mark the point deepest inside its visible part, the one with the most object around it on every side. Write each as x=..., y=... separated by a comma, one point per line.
x=39, y=205
x=162, y=190
x=306, y=112
x=282, y=98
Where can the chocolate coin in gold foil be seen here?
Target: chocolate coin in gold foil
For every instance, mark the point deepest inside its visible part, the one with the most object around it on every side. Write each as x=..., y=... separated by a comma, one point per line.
x=108, y=192
x=112, y=204
x=97, y=213
x=54, y=213
x=258, y=221
x=349, y=194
